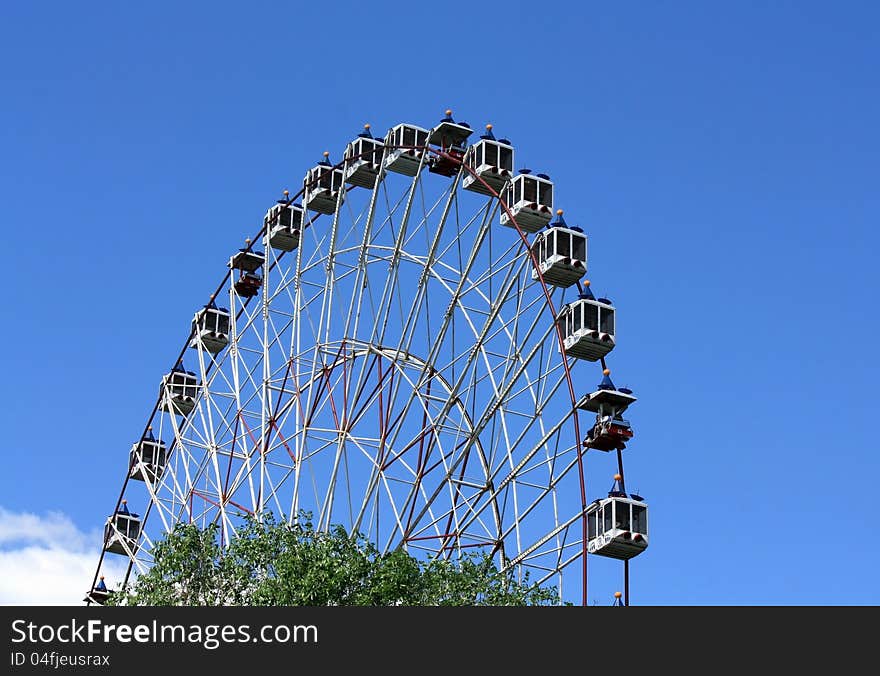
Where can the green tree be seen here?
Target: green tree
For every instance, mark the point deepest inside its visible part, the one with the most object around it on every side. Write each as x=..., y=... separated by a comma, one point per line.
x=273, y=563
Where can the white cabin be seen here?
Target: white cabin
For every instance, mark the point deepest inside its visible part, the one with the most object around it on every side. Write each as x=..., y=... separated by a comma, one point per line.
x=323, y=187
x=561, y=253
x=178, y=391
x=405, y=149
x=530, y=200
x=492, y=161
x=121, y=531
x=363, y=159
x=147, y=459
x=617, y=527
x=210, y=329
x=588, y=327
x=283, y=224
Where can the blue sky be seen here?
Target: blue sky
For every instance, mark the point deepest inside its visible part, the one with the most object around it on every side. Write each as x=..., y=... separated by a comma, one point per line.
x=721, y=156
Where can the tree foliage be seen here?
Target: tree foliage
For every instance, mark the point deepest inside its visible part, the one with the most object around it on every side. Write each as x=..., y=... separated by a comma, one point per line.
x=274, y=563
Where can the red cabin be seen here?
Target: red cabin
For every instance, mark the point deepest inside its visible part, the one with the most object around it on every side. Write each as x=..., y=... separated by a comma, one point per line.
x=451, y=137
x=248, y=284
x=608, y=434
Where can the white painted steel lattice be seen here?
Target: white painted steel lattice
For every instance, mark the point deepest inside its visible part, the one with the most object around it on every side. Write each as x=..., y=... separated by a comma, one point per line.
x=398, y=371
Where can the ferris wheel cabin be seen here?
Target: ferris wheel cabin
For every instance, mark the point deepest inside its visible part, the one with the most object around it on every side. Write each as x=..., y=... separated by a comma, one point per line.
x=98, y=594
x=248, y=263
x=451, y=138
x=363, y=159
x=492, y=161
x=617, y=526
x=121, y=531
x=406, y=148
x=610, y=431
x=210, y=329
x=323, y=187
x=147, y=459
x=449, y=133
x=607, y=399
x=561, y=253
x=530, y=200
x=178, y=391
x=283, y=223
x=588, y=326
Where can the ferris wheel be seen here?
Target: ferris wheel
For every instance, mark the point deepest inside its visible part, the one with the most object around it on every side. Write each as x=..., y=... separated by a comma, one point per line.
x=400, y=349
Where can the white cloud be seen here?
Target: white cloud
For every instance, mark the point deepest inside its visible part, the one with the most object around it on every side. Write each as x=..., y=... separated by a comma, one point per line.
x=47, y=560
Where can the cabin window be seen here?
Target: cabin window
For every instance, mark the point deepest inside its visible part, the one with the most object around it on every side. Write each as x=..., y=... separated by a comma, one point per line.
x=591, y=316
x=563, y=243
x=409, y=136
x=640, y=519
x=607, y=325
x=572, y=321
x=621, y=519
x=326, y=180
x=546, y=197
x=592, y=525
x=490, y=154
x=530, y=190
x=222, y=323
x=506, y=158
x=549, y=246
x=542, y=249
x=374, y=152
x=607, y=516
x=286, y=217
x=579, y=252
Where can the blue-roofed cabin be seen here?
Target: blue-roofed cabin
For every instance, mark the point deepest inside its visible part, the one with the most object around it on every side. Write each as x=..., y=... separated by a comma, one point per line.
x=98, y=594
x=363, y=159
x=491, y=160
x=147, y=459
x=247, y=260
x=561, y=253
x=210, y=329
x=607, y=400
x=617, y=527
x=405, y=149
x=451, y=138
x=450, y=134
x=610, y=431
x=588, y=327
x=283, y=223
x=121, y=531
x=178, y=391
x=323, y=187
x=530, y=200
